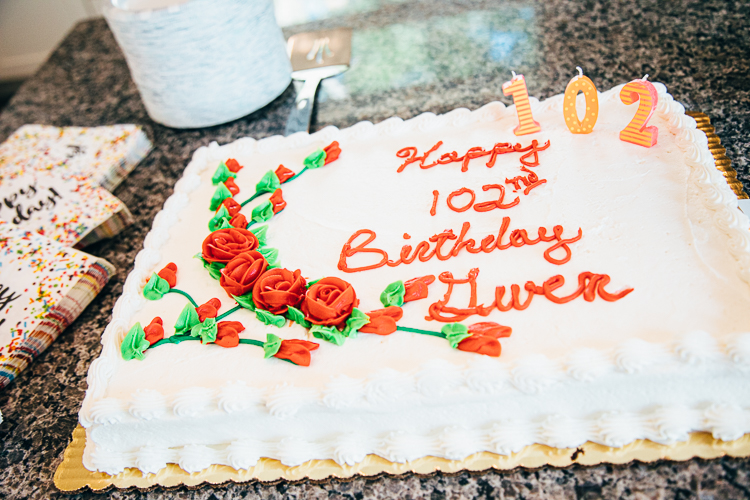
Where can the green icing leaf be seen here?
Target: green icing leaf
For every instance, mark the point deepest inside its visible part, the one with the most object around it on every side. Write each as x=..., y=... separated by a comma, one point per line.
x=311, y=283
x=225, y=224
x=156, y=287
x=270, y=319
x=222, y=173
x=216, y=220
x=260, y=233
x=316, y=160
x=245, y=301
x=298, y=317
x=263, y=212
x=134, y=344
x=206, y=330
x=214, y=268
x=356, y=320
x=221, y=194
x=455, y=333
x=187, y=319
x=268, y=183
x=328, y=333
x=271, y=346
x=271, y=255
x=393, y=295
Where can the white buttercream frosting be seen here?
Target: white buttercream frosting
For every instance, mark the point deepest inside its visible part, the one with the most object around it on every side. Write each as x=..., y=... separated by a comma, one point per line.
x=671, y=358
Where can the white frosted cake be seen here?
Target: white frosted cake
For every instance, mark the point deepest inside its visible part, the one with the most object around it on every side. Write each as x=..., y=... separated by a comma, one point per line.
x=622, y=272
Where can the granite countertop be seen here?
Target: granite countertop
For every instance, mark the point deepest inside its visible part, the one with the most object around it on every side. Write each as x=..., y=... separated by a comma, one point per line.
x=407, y=58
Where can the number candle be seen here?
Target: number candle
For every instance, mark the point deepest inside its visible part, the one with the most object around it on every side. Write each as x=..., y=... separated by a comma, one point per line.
x=636, y=131
x=583, y=84
x=517, y=88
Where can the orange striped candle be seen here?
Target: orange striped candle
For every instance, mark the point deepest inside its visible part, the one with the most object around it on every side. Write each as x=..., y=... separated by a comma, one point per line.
x=517, y=88
x=637, y=131
x=583, y=84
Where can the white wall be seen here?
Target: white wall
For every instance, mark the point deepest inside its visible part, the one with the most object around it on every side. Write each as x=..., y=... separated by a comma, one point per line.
x=31, y=29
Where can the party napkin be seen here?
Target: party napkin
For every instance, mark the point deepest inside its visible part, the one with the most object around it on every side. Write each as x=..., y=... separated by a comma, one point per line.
x=70, y=210
x=43, y=288
x=103, y=154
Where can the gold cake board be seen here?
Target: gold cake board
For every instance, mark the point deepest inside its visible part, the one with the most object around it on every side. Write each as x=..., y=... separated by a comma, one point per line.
x=71, y=475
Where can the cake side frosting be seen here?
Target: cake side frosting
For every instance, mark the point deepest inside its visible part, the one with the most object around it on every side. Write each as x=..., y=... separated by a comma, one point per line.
x=446, y=380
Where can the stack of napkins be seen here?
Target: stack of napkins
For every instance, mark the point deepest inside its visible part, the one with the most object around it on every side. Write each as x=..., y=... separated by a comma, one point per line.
x=55, y=181
x=54, y=195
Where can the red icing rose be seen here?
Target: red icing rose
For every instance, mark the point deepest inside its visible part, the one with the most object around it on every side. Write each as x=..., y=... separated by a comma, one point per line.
x=232, y=186
x=233, y=165
x=228, y=333
x=490, y=329
x=417, y=288
x=169, y=274
x=284, y=174
x=481, y=344
x=154, y=331
x=239, y=221
x=277, y=201
x=225, y=244
x=332, y=152
x=383, y=321
x=277, y=289
x=208, y=310
x=232, y=206
x=239, y=276
x=296, y=351
x=329, y=302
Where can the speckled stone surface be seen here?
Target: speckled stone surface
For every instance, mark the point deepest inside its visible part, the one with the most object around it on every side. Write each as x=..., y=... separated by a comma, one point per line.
x=407, y=58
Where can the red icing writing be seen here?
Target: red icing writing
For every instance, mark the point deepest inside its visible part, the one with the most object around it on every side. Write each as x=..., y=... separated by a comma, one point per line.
x=590, y=285
x=434, y=246
x=411, y=155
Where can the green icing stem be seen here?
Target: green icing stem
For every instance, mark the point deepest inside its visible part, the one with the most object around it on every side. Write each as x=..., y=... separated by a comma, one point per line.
x=257, y=193
x=252, y=342
x=174, y=339
x=224, y=315
x=423, y=332
x=300, y=173
x=185, y=294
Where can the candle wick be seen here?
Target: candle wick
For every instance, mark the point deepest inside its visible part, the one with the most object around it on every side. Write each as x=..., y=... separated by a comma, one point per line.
x=514, y=73
x=580, y=71
x=645, y=78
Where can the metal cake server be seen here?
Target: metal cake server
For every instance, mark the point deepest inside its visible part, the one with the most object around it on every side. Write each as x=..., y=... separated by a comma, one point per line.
x=315, y=55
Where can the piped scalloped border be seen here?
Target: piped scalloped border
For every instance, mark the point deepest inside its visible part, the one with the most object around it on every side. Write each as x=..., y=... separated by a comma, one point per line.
x=717, y=196
x=72, y=476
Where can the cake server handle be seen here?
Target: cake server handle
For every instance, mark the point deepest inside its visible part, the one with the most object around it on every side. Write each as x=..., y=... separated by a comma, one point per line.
x=299, y=118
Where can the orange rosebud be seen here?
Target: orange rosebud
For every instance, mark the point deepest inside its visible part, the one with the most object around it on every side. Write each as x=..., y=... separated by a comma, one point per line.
x=154, y=331
x=383, y=321
x=239, y=276
x=490, y=329
x=284, y=174
x=417, y=288
x=231, y=205
x=296, y=351
x=239, y=221
x=332, y=152
x=208, y=310
x=277, y=201
x=481, y=344
x=232, y=186
x=169, y=274
x=228, y=333
x=233, y=165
